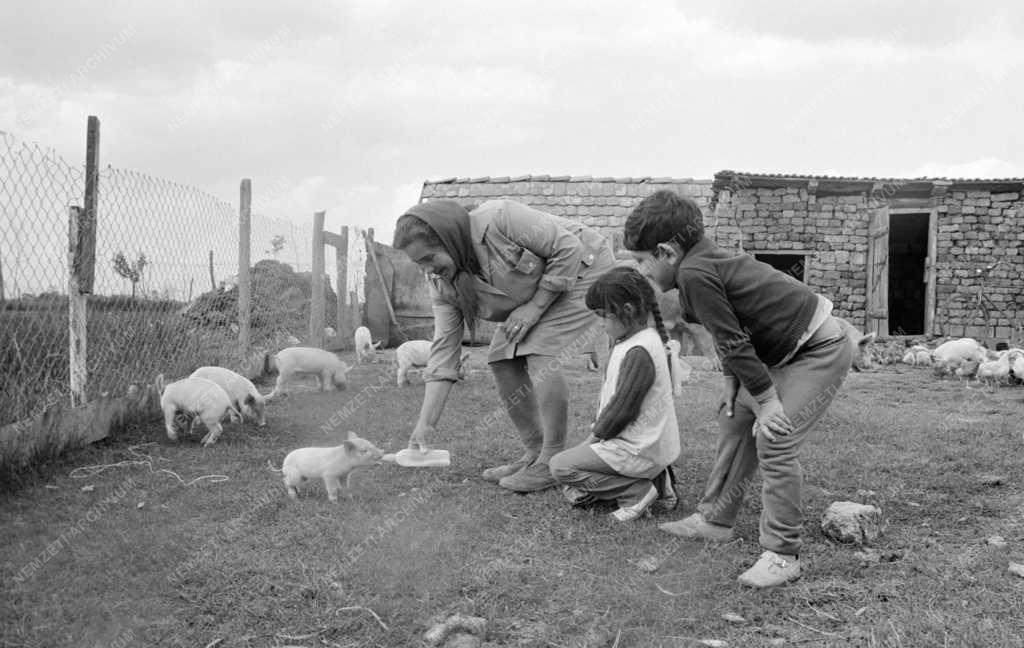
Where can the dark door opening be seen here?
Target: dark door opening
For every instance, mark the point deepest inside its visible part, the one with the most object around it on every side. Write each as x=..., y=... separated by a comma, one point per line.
x=908, y=248
x=792, y=264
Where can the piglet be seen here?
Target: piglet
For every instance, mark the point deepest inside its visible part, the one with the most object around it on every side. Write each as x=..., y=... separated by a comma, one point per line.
x=329, y=370
x=1016, y=359
x=416, y=353
x=240, y=390
x=328, y=464
x=917, y=355
x=996, y=371
x=201, y=399
x=365, y=348
x=861, y=344
x=958, y=351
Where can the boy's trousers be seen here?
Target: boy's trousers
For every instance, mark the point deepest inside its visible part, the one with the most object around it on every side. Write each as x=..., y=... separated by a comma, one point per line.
x=806, y=386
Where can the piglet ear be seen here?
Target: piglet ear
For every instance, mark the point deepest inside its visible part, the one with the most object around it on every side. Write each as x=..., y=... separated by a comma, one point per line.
x=349, y=446
x=352, y=435
x=867, y=339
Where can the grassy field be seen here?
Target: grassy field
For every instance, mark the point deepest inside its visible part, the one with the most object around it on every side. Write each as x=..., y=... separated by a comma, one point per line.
x=133, y=556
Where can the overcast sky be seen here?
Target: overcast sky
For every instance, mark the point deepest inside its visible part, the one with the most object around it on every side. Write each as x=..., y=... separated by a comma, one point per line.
x=350, y=106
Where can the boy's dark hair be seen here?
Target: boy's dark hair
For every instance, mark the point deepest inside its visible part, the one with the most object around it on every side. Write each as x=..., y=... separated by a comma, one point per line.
x=622, y=286
x=664, y=217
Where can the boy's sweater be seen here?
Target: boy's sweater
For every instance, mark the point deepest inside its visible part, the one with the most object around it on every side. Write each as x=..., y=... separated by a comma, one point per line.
x=755, y=313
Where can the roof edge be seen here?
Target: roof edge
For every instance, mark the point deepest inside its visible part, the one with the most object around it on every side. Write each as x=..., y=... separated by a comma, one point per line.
x=566, y=178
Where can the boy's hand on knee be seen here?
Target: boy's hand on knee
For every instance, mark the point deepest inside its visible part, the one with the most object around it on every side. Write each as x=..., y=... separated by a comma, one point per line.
x=772, y=420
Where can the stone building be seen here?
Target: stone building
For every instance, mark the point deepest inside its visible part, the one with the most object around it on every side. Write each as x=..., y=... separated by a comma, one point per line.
x=896, y=256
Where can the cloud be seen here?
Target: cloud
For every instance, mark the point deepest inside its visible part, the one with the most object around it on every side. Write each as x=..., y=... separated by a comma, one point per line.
x=930, y=24
x=981, y=168
x=349, y=106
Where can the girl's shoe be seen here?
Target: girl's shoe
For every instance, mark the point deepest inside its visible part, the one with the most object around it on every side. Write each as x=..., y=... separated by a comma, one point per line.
x=667, y=500
x=577, y=497
x=633, y=511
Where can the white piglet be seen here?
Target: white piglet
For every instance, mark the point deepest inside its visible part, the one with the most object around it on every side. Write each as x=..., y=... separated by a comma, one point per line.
x=917, y=355
x=328, y=464
x=413, y=353
x=243, y=394
x=329, y=370
x=863, y=357
x=365, y=348
x=1016, y=359
x=199, y=399
x=993, y=372
x=954, y=355
x=416, y=353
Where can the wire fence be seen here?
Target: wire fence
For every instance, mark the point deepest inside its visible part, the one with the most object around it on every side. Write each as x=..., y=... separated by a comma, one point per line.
x=165, y=294
x=36, y=187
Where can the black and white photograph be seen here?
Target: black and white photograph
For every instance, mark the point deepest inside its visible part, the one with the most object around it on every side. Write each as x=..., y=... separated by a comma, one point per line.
x=604, y=324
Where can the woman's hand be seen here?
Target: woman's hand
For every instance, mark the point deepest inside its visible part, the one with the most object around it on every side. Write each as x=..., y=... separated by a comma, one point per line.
x=772, y=420
x=418, y=439
x=520, y=321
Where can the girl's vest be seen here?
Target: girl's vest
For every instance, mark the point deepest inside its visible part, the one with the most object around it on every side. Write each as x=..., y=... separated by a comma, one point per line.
x=651, y=441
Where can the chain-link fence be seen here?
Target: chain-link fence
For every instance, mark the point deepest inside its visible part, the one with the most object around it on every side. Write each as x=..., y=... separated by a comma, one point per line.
x=165, y=292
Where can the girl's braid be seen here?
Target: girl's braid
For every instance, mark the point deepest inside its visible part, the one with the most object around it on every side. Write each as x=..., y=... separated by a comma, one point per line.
x=659, y=323
x=651, y=301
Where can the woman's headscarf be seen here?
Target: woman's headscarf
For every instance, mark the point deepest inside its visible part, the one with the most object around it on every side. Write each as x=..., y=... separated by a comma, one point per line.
x=450, y=221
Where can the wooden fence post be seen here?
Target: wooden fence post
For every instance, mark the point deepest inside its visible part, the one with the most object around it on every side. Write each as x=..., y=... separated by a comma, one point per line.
x=244, y=285
x=317, y=306
x=341, y=270
x=357, y=318
x=78, y=233
x=86, y=255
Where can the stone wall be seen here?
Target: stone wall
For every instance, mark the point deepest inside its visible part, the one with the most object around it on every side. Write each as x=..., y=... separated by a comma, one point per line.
x=979, y=223
x=833, y=230
x=979, y=228
x=601, y=203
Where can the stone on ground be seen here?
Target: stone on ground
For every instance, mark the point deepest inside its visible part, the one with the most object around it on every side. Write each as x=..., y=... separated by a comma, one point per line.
x=851, y=522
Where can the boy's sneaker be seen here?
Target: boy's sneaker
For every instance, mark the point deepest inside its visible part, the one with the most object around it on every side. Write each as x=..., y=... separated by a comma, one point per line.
x=633, y=511
x=667, y=500
x=771, y=570
x=577, y=497
x=695, y=527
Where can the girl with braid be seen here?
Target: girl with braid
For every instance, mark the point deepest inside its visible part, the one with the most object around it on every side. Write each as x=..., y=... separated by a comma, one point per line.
x=635, y=438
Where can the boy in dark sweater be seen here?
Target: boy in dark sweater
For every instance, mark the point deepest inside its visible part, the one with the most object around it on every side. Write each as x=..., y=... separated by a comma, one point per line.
x=783, y=355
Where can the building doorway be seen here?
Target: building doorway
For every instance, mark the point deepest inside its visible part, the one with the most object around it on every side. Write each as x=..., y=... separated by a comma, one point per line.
x=908, y=280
